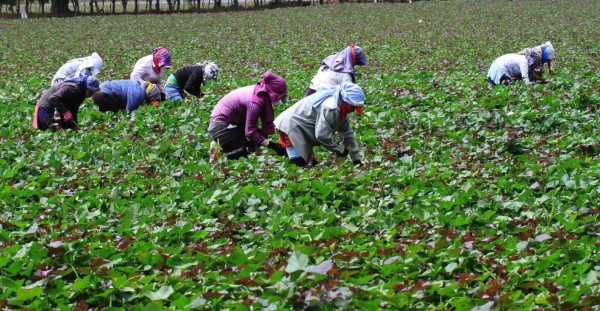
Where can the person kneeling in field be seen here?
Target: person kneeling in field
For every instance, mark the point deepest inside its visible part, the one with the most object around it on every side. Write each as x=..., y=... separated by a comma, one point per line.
x=537, y=57
x=78, y=68
x=59, y=105
x=338, y=68
x=315, y=119
x=526, y=66
x=190, y=79
x=234, y=121
x=150, y=68
x=125, y=95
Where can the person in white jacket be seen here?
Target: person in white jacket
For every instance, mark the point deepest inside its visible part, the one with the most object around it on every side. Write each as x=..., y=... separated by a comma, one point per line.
x=88, y=66
x=508, y=68
x=314, y=120
x=338, y=68
x=526, y=65
x=150, y=68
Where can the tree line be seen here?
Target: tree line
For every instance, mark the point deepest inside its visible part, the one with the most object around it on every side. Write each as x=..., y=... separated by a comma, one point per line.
x=67, y=8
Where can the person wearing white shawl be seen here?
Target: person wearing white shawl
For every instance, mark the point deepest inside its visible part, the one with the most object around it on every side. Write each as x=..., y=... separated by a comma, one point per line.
x=78, y=68
x=315, y=119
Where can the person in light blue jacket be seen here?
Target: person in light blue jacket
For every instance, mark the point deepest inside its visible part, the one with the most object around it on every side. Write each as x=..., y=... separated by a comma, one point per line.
x=126, y=95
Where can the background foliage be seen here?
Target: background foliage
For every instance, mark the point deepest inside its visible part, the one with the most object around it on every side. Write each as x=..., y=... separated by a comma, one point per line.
x=470, y=196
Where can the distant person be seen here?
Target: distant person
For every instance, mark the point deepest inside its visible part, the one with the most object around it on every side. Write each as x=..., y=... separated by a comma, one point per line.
x=537, y=57
x=526, y=65
x=189, y=79
x=338, y=68
x=126, y=95
x=59, y=105
x=79, y=67
x=234, y=121
x=315, y=119
x=150, y=68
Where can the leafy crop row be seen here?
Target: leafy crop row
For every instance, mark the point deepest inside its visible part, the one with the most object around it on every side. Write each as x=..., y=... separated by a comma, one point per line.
x=470, y=196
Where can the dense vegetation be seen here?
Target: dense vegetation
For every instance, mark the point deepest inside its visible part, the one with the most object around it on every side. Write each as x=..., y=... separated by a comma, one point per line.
x=470, y=196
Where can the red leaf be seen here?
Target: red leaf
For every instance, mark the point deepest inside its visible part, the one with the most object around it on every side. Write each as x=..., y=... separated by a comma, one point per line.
x=81, y=306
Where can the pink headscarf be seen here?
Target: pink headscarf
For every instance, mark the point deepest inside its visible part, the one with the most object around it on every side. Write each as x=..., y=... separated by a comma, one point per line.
x=271, y=85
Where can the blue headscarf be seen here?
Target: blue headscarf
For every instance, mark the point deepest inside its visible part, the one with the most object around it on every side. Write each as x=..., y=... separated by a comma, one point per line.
x=86, y=83
x=350, y=93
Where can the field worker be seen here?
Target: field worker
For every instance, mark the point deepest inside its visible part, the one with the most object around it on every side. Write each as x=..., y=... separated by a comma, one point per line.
x=79, y=67
x=537, y=57
x=125, y=95
x=338, y=68
x=315, y=119
x=189, y=79
x=526, y=65
x=58, y=106
x=234, y=121
x=150, y=68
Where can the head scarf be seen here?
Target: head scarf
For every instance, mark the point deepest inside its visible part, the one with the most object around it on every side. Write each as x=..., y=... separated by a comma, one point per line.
x=347, y=92
x=547, y=51
x=271, y=85
x=210, y=70
x=86, y=83
x=161, y=57
x=152, y=92
x=94, y=63
x=345, y=60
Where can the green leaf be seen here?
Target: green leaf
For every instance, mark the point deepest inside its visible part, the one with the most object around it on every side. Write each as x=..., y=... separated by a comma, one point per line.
x=163, y=293
x=297, y=261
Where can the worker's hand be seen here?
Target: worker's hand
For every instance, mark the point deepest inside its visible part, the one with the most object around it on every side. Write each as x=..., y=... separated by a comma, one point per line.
x=277, y=148
x=357, y=162
x=68, y=116
x=343, y=154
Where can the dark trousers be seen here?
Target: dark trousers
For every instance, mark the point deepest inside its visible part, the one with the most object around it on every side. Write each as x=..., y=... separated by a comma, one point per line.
x=232, y=140
x=106, y=102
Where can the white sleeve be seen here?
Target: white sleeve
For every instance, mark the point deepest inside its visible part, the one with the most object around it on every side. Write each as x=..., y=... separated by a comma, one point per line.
x=524, y=67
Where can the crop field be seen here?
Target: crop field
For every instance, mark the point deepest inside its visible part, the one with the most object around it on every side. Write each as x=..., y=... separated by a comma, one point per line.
x=471, y=197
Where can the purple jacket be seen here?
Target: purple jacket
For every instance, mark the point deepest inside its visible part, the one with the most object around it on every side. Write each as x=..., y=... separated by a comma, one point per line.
x=344, y=62
x=246, y=105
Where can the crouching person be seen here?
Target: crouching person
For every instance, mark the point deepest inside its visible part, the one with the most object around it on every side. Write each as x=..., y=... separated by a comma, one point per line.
x=234, y=121
x=59, y=105
x=315, y=119
x=189, y=79
x=125, y=95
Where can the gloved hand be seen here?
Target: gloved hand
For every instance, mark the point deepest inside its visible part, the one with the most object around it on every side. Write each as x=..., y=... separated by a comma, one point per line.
x=68, y=116
x=343, y=154
x=277, y=148
x=357, y=162
x=163, y=96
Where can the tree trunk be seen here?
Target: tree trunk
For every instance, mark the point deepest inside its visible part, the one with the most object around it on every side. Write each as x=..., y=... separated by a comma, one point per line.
x=170, y=4
x=112, y=10
x=135, y=6
x=157, y=6
x=61, y=8
x=124, y=3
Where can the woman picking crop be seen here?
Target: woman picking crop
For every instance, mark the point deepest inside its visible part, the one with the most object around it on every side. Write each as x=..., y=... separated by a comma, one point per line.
x=79, y=67
x=314, y=120
x=125, y=95
x=189, y=79
x=234, y=121
x=338, y=68
x=526, y=65
x=150, y=68
x=58, y=106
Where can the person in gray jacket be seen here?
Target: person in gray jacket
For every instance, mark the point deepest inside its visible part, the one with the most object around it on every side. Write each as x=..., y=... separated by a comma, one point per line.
x=315, y=119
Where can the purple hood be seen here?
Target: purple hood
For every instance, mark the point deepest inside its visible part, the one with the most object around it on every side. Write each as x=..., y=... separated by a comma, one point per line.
x=271, y=85
x=344, y=62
